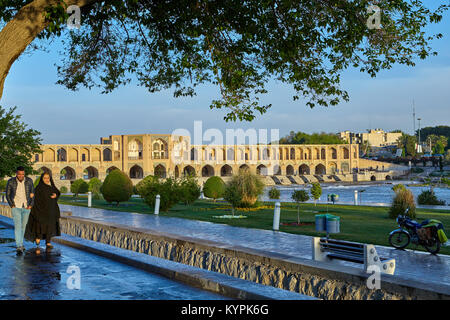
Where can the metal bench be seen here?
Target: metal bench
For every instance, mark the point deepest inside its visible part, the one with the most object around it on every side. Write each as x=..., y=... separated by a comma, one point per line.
x=329, y=250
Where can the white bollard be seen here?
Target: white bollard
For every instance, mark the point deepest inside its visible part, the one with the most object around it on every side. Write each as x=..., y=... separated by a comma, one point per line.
x=89, y=199
x=356, y=197
x=157, y=204
x=276, y=217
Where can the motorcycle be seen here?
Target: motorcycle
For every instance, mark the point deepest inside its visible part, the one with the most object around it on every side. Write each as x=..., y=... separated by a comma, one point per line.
x=411, y=231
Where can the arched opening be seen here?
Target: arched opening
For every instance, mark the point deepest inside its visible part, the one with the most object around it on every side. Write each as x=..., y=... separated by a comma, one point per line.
x=388, y=177
x=244, y=167
x=49, y=155
x=61, y=155
x=346, y=153
x=276, y=170
x=373, y=178
x=333, y=153
x=67, y=173
x=160, y=171
x=177, y=172
x=226, y=171
x=292, y=154
x=261, y=170
x=111, y=169
x=289, y=170
x=135, y=150
x=320, y=169
x=90, y=172
x=332, y=168
x=303, y=169
x=107, y=154
x=189, y=171
x=73, y=155
x=194, y=154
x=322, y=154
x=207, y=171
x=136, y=172
x=160, y=149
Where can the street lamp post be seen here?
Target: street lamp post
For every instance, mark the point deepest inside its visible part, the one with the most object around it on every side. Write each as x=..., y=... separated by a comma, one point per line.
x=419, y=148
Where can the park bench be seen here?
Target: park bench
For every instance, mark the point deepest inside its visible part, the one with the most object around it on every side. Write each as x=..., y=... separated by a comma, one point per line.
x=329, y=250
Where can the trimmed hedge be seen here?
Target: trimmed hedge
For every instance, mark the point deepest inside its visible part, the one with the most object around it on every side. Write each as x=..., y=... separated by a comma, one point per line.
x=214, y=188
x=117, y=187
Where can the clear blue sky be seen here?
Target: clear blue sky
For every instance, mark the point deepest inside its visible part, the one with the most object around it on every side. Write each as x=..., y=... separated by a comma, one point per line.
x=63, y=116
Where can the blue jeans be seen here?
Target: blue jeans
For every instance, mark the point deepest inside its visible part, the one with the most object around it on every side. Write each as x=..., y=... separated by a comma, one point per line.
x=20, y=217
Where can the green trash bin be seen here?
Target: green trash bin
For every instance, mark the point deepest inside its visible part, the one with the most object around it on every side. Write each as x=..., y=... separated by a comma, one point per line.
x=333, y=224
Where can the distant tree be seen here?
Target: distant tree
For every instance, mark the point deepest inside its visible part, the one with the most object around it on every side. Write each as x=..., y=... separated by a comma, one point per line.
x=189, y=190
x=233, y=195
x=398, y=187
x=18, y=144
x=299, y=196
x=408, y=143
x=214, y=188
x=314, y=138
x=79, y=186
x=316, y=191
x=117, y=187
x=95, y=185
x=274, y=193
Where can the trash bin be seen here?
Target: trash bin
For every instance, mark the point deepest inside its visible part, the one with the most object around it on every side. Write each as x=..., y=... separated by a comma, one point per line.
x=321, y=222
x=333, y=224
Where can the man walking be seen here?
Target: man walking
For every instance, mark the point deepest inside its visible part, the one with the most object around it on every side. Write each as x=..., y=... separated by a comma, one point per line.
x=20, y=197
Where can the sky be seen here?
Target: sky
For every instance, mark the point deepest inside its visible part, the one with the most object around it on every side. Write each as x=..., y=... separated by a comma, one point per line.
x=82, y=117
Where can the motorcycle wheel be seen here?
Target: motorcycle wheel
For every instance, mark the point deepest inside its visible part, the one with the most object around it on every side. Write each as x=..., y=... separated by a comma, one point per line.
x=399, y=239
x=435, y=248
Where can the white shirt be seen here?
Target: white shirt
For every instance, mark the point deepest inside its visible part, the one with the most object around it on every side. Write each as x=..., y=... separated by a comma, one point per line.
x=20, y=198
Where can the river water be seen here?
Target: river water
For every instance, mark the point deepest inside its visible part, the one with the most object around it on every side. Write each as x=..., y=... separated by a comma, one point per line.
x=369, y=193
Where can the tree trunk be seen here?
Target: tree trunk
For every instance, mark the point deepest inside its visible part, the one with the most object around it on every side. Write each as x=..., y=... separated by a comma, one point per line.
x=298, y=214
x=21, y=31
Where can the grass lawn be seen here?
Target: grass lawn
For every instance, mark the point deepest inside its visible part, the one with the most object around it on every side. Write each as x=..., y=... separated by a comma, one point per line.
x=358, y=223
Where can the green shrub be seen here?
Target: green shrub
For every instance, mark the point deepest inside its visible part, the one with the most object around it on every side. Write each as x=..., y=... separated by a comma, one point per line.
x=117, y=187
x=299, y=196
x=316, y=191
x=79, y=186
x=403, y=199
x=398, y=187
x=274, y=193
x=151, y=186
x=428, y=197
x=233, y=195
x=189, y=190
x=63, y=189
x=214, y=188
x=250, y=185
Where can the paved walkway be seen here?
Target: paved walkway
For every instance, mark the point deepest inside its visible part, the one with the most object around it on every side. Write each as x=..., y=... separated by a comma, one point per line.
x=409, y=264
x=44, y=276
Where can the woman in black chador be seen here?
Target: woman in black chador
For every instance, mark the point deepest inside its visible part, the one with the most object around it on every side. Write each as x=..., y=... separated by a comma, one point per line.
x=43, y=222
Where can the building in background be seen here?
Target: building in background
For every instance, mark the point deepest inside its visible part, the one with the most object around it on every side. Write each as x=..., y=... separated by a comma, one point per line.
x=375, y=137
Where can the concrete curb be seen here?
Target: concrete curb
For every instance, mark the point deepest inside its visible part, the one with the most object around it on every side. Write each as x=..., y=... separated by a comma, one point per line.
x=200, y=278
